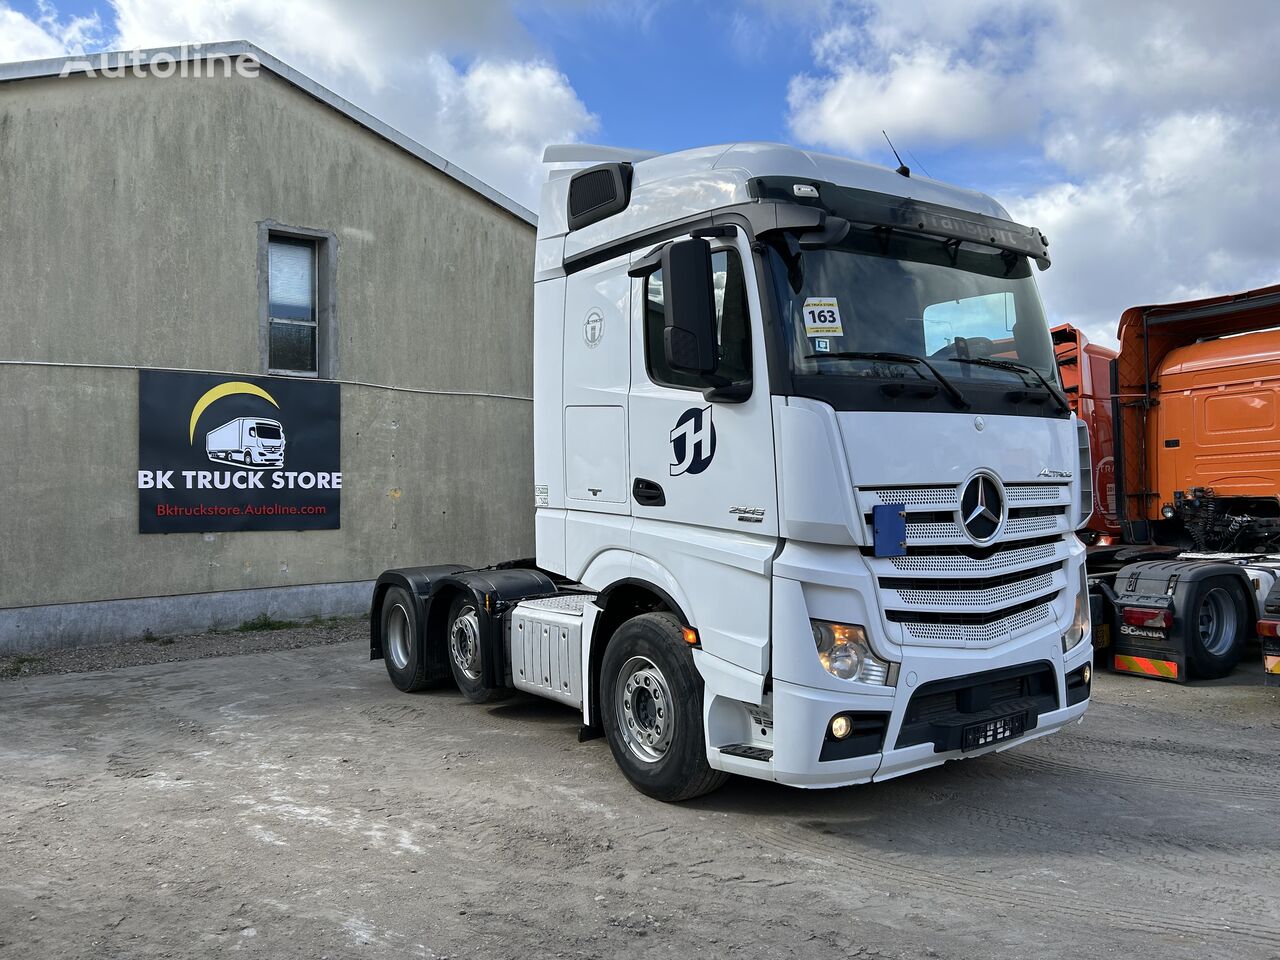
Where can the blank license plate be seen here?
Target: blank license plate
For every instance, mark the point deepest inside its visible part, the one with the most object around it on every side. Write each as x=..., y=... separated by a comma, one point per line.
x=984, y=734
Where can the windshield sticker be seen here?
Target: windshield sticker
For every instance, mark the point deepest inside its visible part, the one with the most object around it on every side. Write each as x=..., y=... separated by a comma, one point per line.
x=822, y=317
x=822, y=346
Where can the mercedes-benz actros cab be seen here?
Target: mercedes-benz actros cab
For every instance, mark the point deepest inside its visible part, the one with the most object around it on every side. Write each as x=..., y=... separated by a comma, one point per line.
x=806, y=487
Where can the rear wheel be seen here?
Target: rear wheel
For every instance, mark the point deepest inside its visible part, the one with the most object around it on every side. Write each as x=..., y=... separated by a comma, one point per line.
x=651, y=708
x=466, y=657
x=1217, y=626
x=402, y=642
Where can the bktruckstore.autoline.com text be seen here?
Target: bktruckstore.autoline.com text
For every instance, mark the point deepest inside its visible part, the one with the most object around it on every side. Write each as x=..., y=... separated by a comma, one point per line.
x=249, y=510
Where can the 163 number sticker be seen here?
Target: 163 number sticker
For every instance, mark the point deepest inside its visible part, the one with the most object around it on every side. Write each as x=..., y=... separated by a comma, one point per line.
x=822, y=317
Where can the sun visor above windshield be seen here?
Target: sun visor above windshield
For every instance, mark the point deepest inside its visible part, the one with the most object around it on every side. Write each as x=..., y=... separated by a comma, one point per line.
x=906, y=214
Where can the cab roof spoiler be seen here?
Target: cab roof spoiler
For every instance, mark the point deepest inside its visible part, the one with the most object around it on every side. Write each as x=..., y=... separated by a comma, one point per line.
x=905, y=214
x=593, y=153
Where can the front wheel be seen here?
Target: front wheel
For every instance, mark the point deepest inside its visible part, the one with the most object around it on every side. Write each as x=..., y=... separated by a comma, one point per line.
x=651, y=708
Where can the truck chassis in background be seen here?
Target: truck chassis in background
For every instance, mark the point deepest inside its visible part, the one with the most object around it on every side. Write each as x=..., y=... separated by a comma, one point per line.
x=1186, y=458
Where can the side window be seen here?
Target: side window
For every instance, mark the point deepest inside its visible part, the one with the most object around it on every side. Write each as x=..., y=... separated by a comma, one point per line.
x=733, y=321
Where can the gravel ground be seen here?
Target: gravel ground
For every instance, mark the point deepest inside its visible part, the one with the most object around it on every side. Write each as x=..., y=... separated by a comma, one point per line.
x=293, y=804
x=255, y=636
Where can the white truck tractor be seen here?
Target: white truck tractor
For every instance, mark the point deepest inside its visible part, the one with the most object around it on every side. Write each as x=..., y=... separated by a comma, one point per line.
x=806, y=487
x=252, y=441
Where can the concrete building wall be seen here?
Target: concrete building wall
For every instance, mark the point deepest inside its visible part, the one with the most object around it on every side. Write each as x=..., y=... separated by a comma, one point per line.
x=131, y=208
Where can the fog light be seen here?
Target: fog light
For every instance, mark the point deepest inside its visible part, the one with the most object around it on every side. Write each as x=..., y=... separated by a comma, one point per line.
x=1087, y=674
x=841, y=727
x=1167, y=511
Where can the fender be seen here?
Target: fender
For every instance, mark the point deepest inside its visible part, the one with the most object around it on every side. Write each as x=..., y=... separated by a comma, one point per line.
x=614, y=568
x=494, y=592
x=417, y=582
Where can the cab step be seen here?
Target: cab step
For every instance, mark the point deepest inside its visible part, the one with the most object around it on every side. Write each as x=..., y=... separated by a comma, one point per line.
x=748, y=752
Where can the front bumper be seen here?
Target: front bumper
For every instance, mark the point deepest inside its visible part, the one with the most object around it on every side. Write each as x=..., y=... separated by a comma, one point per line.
x=801, y=714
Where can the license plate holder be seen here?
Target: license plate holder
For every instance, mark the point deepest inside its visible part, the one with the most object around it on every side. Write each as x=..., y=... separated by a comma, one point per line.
x=978, y=735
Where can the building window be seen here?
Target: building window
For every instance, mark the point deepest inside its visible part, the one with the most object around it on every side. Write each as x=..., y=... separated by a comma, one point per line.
x=733, y=324
x=297, y=315
x=293, y=319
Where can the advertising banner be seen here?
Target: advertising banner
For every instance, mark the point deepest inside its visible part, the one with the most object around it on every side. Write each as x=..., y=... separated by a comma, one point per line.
x=229, y=452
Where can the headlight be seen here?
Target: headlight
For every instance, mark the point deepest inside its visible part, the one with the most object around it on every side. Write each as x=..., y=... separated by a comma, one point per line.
x=1079, y=628
x=844, y=652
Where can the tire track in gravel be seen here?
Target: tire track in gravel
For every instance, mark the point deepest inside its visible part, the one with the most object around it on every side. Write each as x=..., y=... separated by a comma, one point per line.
x=1219, y=857
x=895, y=875
x=1223, y=758
x=1209, y=785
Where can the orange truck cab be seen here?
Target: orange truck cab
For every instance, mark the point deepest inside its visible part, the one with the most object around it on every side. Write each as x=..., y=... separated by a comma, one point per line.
x=1198, y=423
x=1085, y=371
x=1218, y=424
x=1185, y=437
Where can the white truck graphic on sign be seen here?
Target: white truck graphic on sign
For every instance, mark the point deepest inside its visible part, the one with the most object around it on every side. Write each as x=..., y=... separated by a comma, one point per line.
x=253, y=441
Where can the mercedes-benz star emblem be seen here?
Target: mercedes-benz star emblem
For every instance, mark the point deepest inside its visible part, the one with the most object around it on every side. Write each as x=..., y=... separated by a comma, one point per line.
x=981, y=508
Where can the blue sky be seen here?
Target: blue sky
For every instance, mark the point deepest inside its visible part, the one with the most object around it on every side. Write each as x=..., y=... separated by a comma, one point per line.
x=1141, y=137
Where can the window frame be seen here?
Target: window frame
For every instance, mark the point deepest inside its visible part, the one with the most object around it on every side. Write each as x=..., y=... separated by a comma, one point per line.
x=324, y=247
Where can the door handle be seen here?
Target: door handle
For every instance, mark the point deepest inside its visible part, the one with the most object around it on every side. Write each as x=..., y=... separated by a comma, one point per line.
x=648, y=493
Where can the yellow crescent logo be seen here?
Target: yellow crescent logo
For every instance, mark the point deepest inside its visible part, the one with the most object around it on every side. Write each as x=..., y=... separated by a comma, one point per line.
x=226, y=390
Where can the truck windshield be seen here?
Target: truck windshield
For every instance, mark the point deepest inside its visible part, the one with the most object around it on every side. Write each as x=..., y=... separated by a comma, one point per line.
x=268, y=431
x=885, y=320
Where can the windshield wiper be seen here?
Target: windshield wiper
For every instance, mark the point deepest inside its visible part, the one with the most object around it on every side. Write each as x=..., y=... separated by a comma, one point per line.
x=945, y=382
x=1017, y=366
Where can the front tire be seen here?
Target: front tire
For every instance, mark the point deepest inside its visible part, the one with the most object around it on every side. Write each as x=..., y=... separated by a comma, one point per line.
x=651, y=709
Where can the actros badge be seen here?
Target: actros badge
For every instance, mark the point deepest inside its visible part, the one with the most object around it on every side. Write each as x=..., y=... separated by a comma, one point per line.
x=693, y=441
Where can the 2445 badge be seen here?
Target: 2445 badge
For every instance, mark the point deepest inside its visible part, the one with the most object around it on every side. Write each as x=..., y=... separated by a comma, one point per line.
x=822, y=317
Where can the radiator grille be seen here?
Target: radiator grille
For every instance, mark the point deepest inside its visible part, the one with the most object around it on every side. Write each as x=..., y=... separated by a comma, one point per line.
x=978, y=636
x=944, y=561
x=946, y=592
x=948, y=497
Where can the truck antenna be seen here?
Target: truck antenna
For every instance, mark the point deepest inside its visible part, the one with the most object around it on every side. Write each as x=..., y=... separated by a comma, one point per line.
x=902, y=167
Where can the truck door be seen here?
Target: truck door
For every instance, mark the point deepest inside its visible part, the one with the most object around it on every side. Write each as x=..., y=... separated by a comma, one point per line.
x=703, y=491
x=597, y=373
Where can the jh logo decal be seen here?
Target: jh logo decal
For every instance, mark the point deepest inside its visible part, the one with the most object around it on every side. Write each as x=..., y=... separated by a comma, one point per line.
x=693, y=441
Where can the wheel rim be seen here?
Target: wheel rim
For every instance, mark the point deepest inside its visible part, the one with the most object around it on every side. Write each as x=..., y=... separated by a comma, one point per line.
x=464, y=642
x=398, y=636
x=644, y=709
x=1216, y=620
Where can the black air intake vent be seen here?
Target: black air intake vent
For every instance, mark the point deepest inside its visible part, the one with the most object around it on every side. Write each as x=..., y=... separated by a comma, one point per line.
x=598, y=192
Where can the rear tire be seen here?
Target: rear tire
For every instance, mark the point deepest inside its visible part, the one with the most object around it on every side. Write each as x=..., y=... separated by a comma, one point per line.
x=651, y=710
x=1218, y=624
x=466, y=657
x=402, y=642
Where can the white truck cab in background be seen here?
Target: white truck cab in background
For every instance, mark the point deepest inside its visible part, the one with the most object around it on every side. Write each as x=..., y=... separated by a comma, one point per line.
x=806, y=489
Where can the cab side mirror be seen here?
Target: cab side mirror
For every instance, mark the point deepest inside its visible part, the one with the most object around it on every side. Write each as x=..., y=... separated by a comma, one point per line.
x=689, y=336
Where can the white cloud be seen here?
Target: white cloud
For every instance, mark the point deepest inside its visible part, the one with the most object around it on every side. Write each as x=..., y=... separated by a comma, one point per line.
x=22, y=38
x=460, y=76
x=1154, y=128
x=1184, y=210
x=922, y=95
